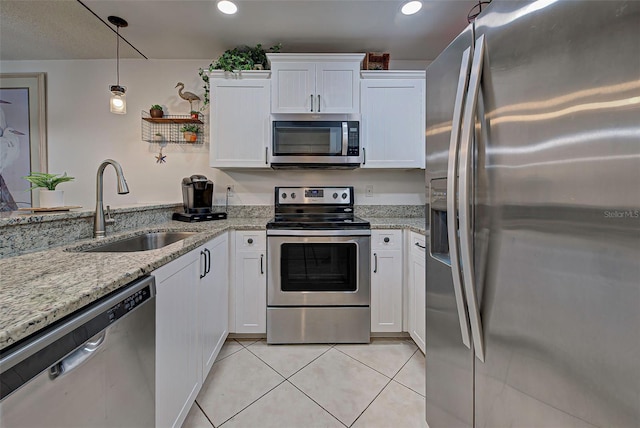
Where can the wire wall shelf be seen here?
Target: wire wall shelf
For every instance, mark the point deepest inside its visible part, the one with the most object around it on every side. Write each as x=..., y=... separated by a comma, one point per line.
x=166, y=129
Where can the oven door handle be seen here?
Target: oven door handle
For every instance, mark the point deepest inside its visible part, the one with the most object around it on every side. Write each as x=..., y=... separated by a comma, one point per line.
x=303, y=233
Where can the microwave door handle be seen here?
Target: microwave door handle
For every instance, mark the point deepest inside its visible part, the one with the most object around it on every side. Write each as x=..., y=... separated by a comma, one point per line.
x=345, y=137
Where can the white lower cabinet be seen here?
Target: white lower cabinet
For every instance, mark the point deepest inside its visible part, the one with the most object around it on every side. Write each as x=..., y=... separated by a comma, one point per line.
x=191, y=326
x=386, y=281
x=213, y=300
x=250, y=282
x=178, y=352
x=417, y=289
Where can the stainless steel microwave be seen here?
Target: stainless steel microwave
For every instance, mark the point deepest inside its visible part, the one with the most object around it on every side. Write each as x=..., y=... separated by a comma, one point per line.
x=316, y=144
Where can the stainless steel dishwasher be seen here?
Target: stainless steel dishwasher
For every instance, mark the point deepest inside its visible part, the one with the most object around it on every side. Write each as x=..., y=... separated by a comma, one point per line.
x=96, y=369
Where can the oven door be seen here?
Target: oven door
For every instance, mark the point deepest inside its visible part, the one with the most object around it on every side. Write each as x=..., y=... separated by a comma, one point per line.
x=319, y=268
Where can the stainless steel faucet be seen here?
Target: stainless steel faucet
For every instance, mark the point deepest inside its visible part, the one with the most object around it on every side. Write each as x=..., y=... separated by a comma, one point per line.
x=99, y=227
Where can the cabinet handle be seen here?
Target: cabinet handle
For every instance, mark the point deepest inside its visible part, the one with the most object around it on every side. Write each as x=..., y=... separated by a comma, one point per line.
x=318, y=103
x=386, y=239
x=375, y=266
x=208, y=262
x=266, y=155
x=421, y=246
x=311, y=102
x=204, y=265
x=261, y=263
x=364, y=156
x=250, y=241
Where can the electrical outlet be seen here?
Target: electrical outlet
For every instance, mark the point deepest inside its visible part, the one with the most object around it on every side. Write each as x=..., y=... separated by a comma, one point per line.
x=369, y=191
x=231, y=190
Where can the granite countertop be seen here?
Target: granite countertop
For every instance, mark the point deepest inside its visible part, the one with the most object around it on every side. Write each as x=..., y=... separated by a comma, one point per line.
x=39, y=288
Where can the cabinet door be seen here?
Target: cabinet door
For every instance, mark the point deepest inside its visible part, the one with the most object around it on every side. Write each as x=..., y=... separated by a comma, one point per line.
x=178, y=354
x=337, y=87
x=213, y=300
x=393, y=123
x=251, y=283
x=240, y=123
x=293, y=87
x=417, y=291
x=386, y=291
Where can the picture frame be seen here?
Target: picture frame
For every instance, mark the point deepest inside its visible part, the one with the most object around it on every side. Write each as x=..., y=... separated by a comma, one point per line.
x=23, y=137
x=377, y=61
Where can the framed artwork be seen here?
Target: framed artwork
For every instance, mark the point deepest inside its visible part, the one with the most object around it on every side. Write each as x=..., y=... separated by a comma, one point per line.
x=23, y=137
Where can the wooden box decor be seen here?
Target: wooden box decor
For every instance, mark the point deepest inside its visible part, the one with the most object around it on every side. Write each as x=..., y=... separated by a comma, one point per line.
x=376, y=61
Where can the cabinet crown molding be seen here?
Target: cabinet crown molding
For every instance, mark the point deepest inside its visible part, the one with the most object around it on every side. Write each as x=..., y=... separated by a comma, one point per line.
x=240, y=74
x=315, y=57
x=393, y=74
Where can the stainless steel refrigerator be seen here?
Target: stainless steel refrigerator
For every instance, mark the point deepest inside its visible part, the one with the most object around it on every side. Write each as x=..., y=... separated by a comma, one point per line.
x=533, y=181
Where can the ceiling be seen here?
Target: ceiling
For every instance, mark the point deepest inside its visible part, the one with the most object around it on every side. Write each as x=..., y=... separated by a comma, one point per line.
x=195, y=29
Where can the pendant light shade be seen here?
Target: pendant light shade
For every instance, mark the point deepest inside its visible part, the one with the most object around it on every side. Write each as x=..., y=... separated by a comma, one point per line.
x=118, y=100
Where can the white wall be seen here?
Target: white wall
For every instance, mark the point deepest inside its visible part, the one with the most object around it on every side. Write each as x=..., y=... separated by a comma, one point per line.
x=82, y=132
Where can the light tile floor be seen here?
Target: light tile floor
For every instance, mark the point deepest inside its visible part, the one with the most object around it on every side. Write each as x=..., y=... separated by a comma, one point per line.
x=252, y=384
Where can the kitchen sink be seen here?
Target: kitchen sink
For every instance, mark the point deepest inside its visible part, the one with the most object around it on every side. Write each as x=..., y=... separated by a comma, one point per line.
x=145, y=242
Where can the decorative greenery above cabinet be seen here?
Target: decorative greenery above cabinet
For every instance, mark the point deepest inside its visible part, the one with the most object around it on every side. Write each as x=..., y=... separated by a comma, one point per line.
x=167, y=129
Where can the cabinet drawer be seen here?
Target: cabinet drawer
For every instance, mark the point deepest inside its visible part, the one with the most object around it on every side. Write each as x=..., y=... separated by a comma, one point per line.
x=250, y=240
x=386, y=239
x=418, y=243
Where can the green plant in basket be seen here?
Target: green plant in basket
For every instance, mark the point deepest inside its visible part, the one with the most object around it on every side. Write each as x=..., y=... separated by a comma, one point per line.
x=47, y=181
x=190, y=127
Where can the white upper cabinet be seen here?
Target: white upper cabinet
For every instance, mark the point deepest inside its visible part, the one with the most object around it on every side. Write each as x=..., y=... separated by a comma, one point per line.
x=240, y=119
x=393, y=119
x=315, y=83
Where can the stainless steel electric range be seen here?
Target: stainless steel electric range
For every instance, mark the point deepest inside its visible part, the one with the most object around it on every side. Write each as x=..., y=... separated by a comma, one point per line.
x=318, y=278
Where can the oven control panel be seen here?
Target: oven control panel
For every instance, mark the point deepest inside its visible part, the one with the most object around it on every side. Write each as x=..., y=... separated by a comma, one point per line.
x=314, y=195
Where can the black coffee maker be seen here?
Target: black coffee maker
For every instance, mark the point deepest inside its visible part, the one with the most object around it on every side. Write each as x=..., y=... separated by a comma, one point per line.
x=197, y=200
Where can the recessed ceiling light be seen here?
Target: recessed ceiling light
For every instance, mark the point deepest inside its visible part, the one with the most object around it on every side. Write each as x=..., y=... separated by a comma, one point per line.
x=228, y=7
x=411, y=7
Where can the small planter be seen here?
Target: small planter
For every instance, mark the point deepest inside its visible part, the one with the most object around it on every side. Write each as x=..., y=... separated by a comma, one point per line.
x=155, y=113
x=51, y=198
x=158, y=138
x=190, y=137
x=195, y=115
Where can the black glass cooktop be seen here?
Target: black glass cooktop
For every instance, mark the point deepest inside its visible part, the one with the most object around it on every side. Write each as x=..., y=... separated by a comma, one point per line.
x=317, y=222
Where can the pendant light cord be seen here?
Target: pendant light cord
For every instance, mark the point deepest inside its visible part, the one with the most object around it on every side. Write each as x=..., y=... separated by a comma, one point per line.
x=118, y=55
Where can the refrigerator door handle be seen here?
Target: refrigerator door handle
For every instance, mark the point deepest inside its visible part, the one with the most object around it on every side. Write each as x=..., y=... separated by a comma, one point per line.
x=468, y=127
x=452, y=179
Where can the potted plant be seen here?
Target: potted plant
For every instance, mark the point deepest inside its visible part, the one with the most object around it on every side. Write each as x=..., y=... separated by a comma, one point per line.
x=156, y=111
x=157, y=137
x=190, y=132
x=240, y=58
x=49, y=196
x=194, y=115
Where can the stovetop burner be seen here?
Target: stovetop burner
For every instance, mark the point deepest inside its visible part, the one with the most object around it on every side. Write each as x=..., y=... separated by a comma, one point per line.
x=315, y=208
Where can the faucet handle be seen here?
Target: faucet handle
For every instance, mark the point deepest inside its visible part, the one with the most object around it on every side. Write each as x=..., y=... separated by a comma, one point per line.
x=107, y=217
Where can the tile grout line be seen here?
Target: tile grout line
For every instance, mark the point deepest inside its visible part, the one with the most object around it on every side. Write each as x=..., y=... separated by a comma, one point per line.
x=400, y=383
x=374, y=399
x=254, y=401
x=374, y=369
x=292, y=374
x=319, y=405
x=204, y=413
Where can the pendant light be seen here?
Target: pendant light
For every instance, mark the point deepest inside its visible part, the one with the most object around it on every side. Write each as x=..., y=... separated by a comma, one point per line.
x=118, y=101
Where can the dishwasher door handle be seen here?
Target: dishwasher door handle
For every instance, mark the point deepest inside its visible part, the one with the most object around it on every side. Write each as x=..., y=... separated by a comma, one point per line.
x=77, y=357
